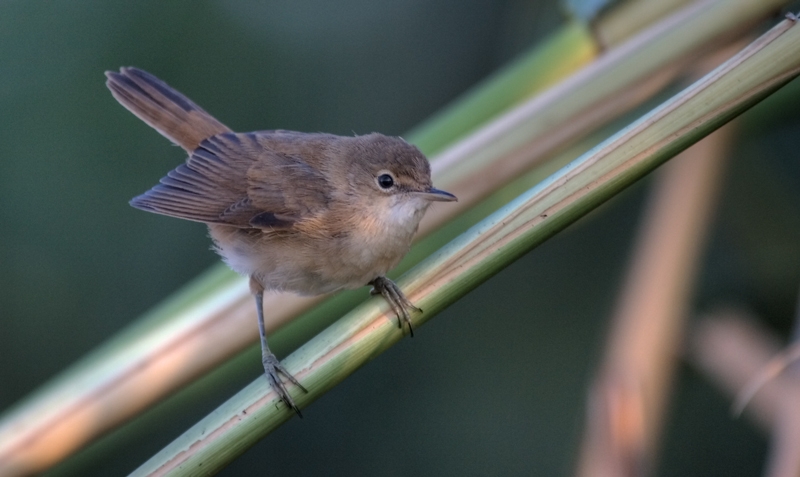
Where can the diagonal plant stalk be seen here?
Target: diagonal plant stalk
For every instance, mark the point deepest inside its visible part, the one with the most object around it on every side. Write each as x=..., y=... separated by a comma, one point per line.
x=173, y=344
x=620, y=22
x=563, y=53
x=783, y=459
x=757, y=71
x=730, y=347
x=544, y=66
x=736, y=353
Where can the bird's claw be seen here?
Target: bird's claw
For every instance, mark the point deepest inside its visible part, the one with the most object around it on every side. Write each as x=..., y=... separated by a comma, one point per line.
x=397, y=301
x=273, y=369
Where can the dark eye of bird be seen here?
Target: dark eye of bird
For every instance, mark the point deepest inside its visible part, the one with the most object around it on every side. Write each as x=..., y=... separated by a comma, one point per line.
x=385, y=181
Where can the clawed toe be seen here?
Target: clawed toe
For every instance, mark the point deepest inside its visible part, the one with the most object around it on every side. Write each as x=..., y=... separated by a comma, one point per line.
x=397, y=301
x=273, y=369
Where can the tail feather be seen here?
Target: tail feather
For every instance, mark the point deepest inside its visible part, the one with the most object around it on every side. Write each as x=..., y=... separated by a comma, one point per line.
x=169, y=112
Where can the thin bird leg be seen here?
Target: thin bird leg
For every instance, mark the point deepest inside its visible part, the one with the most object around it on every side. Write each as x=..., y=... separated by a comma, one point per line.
x=397, y=300
x=272, y=366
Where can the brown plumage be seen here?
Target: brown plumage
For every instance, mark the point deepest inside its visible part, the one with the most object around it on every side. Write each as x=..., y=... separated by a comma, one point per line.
x=304, y=212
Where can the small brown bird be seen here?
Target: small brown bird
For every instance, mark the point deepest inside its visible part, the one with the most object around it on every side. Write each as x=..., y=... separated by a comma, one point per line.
x=309, y=213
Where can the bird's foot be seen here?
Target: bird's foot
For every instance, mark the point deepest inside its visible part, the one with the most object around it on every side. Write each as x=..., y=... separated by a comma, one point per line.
x=273, y=369
x=397, y=300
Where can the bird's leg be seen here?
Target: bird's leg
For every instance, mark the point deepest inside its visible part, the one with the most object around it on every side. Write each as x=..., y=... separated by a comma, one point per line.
x=272, y=367
x=397, y=300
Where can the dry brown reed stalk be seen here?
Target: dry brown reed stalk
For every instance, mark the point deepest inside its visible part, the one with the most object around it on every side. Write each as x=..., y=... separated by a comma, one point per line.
x=628, y=399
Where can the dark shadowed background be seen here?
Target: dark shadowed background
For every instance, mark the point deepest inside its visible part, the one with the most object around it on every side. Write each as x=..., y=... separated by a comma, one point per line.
x=496, y=384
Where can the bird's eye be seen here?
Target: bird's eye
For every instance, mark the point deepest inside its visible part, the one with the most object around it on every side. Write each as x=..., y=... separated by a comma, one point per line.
x=385, y=181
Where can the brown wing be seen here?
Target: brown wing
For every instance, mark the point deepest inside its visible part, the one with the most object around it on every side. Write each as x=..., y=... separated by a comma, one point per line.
x=233, y=179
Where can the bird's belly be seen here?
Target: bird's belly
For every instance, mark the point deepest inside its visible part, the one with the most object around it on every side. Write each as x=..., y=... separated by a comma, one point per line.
x=305, y=265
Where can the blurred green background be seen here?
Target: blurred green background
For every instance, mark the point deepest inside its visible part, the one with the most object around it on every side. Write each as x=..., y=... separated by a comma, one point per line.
x=493, y=386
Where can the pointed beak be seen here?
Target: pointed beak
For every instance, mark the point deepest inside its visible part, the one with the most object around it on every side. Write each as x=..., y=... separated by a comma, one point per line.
x=436, y=195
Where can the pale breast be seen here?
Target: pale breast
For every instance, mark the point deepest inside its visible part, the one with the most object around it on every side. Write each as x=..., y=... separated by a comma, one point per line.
x=372, y=244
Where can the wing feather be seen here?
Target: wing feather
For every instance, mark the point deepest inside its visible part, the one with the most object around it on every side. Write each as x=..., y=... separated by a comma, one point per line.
x=236, y=179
